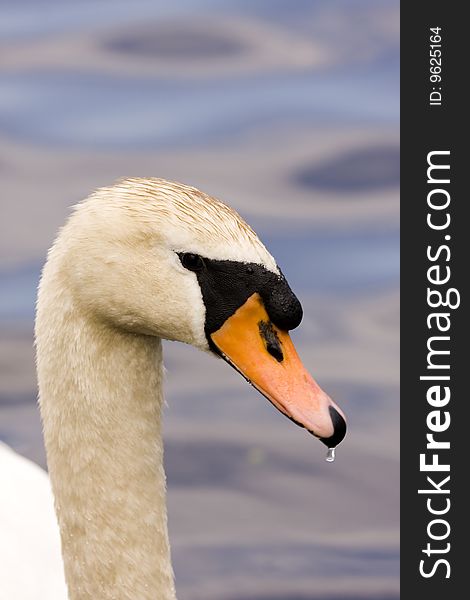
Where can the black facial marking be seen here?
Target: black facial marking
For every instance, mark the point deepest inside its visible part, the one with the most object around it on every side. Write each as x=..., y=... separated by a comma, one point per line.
x=269, y=336
x=226, y=285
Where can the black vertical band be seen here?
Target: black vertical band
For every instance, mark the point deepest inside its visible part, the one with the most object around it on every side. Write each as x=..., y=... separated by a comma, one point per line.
x=434, y=236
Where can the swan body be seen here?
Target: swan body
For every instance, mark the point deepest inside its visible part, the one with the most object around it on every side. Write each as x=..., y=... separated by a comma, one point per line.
x=141, y=261
x=31, y=563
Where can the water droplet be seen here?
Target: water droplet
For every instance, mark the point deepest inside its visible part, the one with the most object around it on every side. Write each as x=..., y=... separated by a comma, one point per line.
x=330, y=455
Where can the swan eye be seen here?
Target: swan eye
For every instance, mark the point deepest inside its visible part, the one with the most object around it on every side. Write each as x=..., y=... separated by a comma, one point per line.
x=192, y=262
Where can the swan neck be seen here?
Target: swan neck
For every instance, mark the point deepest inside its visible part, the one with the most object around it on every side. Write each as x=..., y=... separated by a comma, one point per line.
x=101, y=400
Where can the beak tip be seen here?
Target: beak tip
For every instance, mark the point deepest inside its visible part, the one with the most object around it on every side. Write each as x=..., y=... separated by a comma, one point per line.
x=339, y=429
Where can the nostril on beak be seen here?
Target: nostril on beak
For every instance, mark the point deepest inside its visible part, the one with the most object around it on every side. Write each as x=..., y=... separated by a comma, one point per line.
x=271, y=339
x=339, y=427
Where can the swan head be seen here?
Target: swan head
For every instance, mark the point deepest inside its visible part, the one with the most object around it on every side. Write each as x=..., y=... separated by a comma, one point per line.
x=159, y=258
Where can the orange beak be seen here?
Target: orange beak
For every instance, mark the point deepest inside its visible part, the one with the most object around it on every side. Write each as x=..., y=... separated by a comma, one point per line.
x=266, y=357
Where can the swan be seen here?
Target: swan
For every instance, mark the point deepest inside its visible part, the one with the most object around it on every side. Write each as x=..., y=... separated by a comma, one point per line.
x=144, y=260
x=30, y=559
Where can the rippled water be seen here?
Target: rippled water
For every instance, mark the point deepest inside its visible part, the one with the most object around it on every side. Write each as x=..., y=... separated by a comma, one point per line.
x=88, y=110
